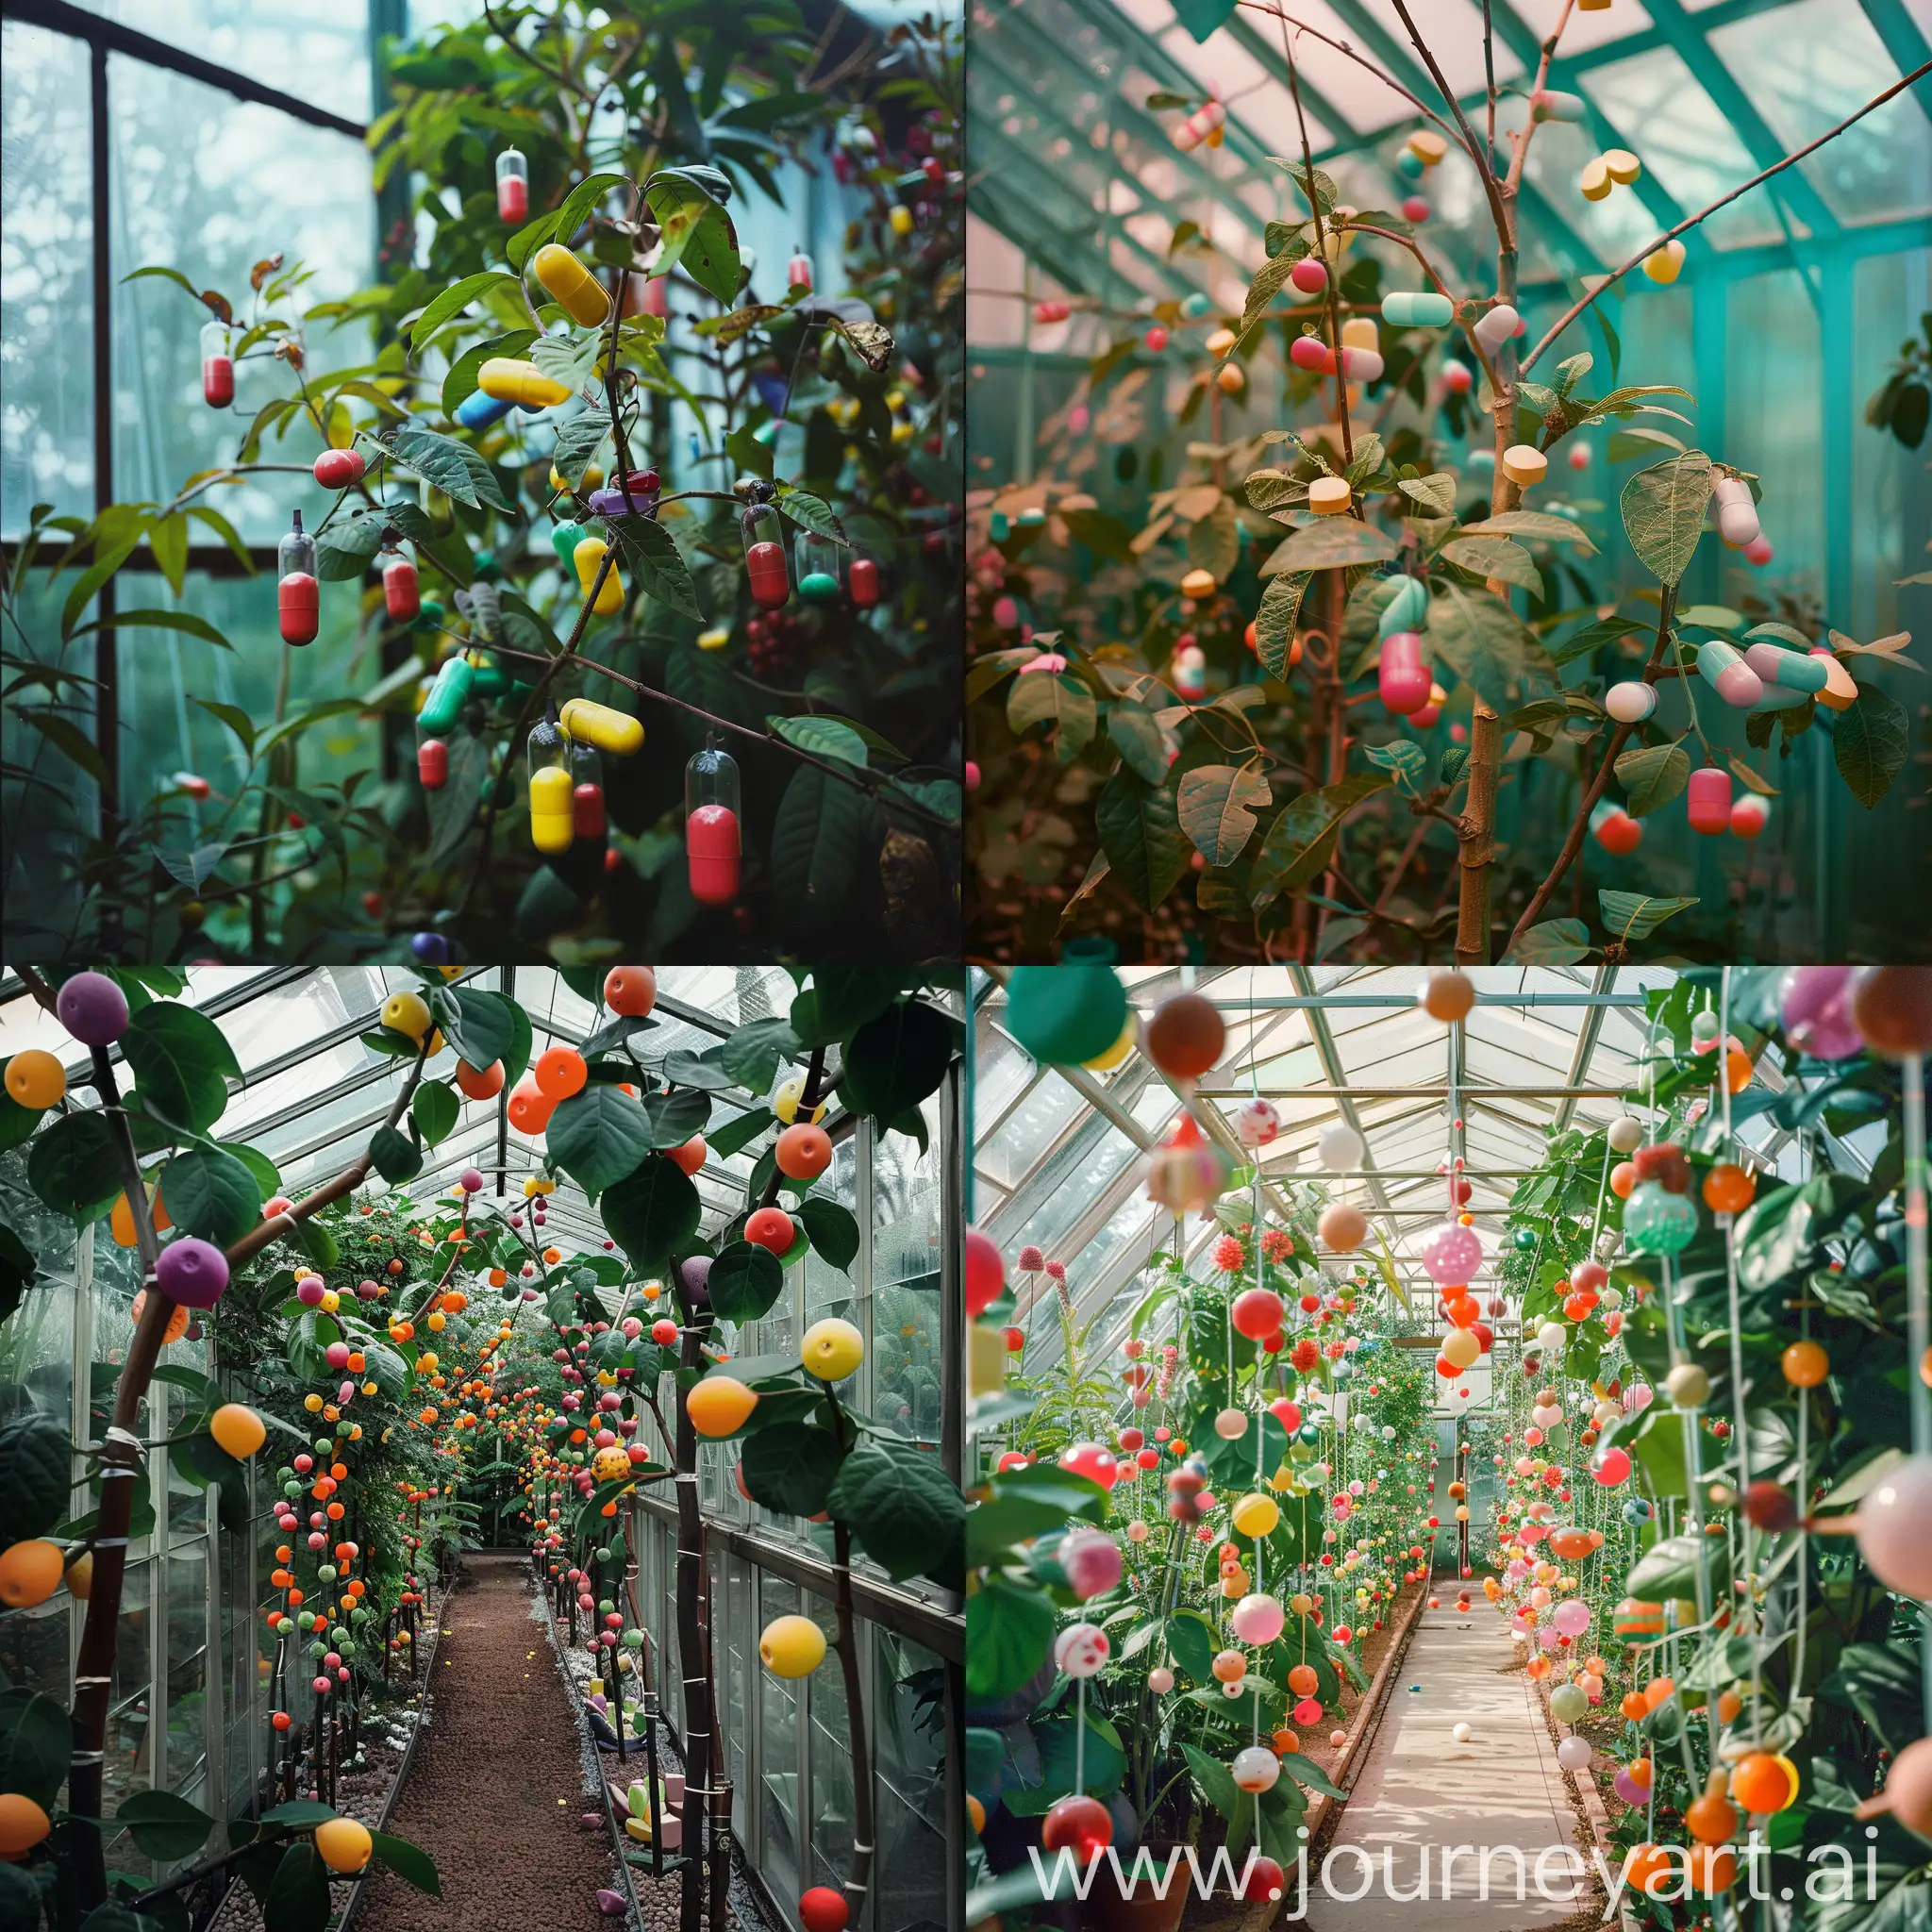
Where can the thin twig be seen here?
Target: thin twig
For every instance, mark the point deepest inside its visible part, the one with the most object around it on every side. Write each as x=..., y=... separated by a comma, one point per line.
x=1688, y=222
x=1503, y=227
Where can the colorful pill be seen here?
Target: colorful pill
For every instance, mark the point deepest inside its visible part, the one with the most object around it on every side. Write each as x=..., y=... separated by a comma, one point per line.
x=447, y=695
x=298, y=604
x=1665, y=262
x=863, y=581
x=1328, y=496
x=553, y=816
x=1406, y=610
x=1549, y=103
x=512, y=379
x=1497, y=326
x=587, y=557
x=587, y=812
x=512, y=187
x=616, y=732
x=798, y=273
x=1839, y=690
x=1524, y=465
x=1417, y=308
x=1748, y=816
x=564, y=540
x=218, y=381
x=1630, y=701
x=1622, y=165
x=1595, y=183
x=432, y=764
x=479, y=409
x=711, y=844
x=1792, y=669
x=771, y=583
x=1725, y=670
x=1312, y=354
x=584, y=297
x=1403, y=680
x=402, y=594
x=1708, y=800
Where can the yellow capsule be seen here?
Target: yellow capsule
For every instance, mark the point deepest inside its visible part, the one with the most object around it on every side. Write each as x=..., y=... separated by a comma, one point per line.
x=551, y=828
x=587, y=557
x=901, y=219
x=511, y=379
x=593, y=479
x=714, y=639
x=581, y=294
x=616, y=732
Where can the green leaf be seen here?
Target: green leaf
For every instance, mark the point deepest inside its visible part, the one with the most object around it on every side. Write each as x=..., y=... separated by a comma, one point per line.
x=483, y=1027
x=570, y=359
x=675, y=1117
x=1331, y=545
x=824, y=737
x=1214, y=542
x=298, y=1897
x=1653, y=776
x=1634, y=915
x=435, y=1111
x=66, y=738
x=464, y=375
x=452, y=467
x=1141, y=834
x=1869, y=741
x=1669, y=1568
x=1663, y=513
x=1432, y=494
x=826, y=839
x=36, y=1739
x=736, y=1135
x=181, y=1062
x=348, y=547
x=895, y=1062
x=211, y=1195
x=1501, y=557
x=1555, y=942
x=453, y=301
x=160, y=620
x=165, y=1827
x=1216, y=806
x=791, y=1467
x=579, y=443
x=745, y=1282
x=409, y=1862
x=73, y=1167
x=396, y=1158
x=656, y=564
x=832, y=1229
x=750, y=1054
x=1274, y=620
x=1010, y=1631
x=808, y=511
x=901, y=1509
x=1537, y=525
x=698, y=233
x=598, y=1136
x=1405, y=759
x=1300, y=843
x=35, y=1458
x=1061, y=703
x=1484, y=642
x=651, y=1212
x=1136, y=735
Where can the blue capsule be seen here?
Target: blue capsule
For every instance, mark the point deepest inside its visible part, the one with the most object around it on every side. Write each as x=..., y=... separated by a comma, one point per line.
x=478, y=411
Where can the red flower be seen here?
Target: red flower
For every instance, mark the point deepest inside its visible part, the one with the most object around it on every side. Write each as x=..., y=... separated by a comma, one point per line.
x=1229, y=1255
x=1306, y=1356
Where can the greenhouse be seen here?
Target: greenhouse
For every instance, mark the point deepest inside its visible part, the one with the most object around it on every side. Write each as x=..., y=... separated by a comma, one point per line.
x=480, y=1447
x=413, y=408
x=1448, y=482
x=1450, y=1437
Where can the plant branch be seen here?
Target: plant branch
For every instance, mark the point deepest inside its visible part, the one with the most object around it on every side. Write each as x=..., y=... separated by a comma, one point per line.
x=1573, y=843
x=1275, y=12
x=1703, y=215
x=1505, y=230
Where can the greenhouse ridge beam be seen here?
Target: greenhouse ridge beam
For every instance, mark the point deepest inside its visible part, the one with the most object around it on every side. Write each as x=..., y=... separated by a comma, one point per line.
x=1586, y=1046
x=1472, y=1095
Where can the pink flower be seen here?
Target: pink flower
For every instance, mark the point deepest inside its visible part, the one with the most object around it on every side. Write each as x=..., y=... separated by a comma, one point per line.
x=1057, y=1271
x=1047, y=660
x=1031, y=1261
x=1276, y=1243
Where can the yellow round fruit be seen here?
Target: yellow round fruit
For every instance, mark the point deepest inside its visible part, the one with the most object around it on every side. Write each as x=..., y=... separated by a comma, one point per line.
x=831, y=1349
x=785, y=1103
x=36, y=1079
x=344, y=1845
x=80, y=1575
x=792, y=1647
x=718, y=1405
x=405, y=1012
x=1256, y=1515
x=237, y=1429
x=30, y=1572
x=610, y=1465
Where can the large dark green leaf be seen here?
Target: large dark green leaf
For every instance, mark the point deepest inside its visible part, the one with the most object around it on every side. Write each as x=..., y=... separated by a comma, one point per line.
x=1141, y=834
x=824, y=843
x=653, y=560
x=1663, y=513
x=1217, y=805
x=652, y=1211
x=791, y=1467
x=598, y=1136
x=1868, y=742
x=1302, y=840
x=894, y=1061
x=298, y=1898
x=165, y=1827
x=1484, y=641
x=751, y=1053
x=899, y=1504
x=212, y=1194
x=1652, y=776
x=832, y=1230
x=73, y=1166
x=1782, y=1231
x=675, y=1117
x=408, y=1861
x=481, y=1026
x=181, y=1062
x=35, y=1460
x=397, y=1159
x=451, y=466
x=36, y=1744
x=745, y=1282
x=433, y=1110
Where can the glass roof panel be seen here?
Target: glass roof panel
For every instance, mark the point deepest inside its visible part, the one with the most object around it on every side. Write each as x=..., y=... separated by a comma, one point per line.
x=1582, y=30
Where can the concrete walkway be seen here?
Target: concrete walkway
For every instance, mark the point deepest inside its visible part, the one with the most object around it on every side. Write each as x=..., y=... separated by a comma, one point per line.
x=1418, y=1792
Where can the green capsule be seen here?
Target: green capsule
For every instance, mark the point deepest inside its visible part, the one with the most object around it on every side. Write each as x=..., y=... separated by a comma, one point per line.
x=564, y=540
x=429, y=614
x=447, y=695
x=489, y=680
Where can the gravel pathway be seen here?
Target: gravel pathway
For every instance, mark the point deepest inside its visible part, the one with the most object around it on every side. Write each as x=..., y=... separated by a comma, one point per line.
x=496, y=1791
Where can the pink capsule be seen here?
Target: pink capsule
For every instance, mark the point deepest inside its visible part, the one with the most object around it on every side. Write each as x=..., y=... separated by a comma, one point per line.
x=1312, y=354
x=1748, y=816
x=1404, y=678
x=1709, y=800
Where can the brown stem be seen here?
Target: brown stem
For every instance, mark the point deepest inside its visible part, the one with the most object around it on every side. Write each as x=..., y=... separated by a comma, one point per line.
x=1275, y=10
x=845, y=1642
x=1573, y=843
x=1477, y=839
x=1688, y=222
x=1477, y=151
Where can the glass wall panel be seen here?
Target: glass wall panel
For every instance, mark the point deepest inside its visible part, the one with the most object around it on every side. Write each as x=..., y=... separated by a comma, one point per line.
x=779, y=1746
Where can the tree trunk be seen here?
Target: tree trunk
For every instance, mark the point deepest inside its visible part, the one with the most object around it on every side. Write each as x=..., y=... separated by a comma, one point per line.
x=693, y=1662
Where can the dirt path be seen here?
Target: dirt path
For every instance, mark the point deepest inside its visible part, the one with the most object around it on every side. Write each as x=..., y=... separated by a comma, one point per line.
x=496, y=1792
